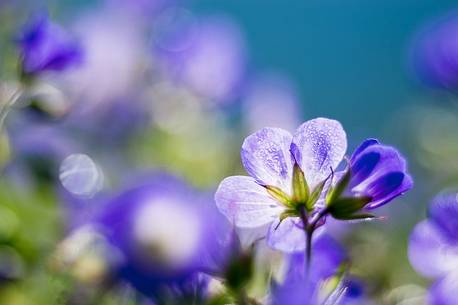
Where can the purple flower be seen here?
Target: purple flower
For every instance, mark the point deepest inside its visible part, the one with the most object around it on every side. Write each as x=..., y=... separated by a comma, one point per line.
x=208, y=55
x=163, y=230
x=38, y=149
x=106, y=76
x=433, y=248
x=378, y=171
x=328, y=257
x=271, y=100
x=141, y=8
x=292, y=173
x=297, y=289
x=46, y=46
x=434, y=53
x=355, y=293
x=195, y=287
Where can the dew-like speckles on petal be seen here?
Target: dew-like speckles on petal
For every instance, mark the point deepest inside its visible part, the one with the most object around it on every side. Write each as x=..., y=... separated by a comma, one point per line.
x=266, y=156
x=245, y=203
x=319, y=145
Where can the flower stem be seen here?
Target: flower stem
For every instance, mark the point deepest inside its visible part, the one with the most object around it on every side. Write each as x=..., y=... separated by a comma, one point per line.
x=7, y=106
x=308, y=250
x=309, y=229
x=308, y=239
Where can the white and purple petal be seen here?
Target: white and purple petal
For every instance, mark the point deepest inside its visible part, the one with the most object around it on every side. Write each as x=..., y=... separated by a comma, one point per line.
x=430, y=253
x=288, y=236
x=319, y=145
x=245, y=203
x=267, y=158
x=444, y=291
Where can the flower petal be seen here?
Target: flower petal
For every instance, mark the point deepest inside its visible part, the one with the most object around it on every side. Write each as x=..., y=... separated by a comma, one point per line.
x=429, y=252
x=287, y=237
x=296, y=293
x=366, y=143
x=266, y=157
x=444, y=213
x=363, y=167
x=47, y=46
x=327, y=257
x=388, y=187
x=245, y=203
x=444, y=291
x=379, y=171
x=374, y=162
x=319, y=145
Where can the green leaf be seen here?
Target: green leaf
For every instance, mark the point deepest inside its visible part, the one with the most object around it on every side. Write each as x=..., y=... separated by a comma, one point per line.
x=345, y=208
x=279, y=195
x=335, y=192
x=300, y=187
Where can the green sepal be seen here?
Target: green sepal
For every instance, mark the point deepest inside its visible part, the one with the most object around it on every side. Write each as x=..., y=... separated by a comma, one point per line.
x=315, y=195
x=335, y=192
x=300, y=186
x=285, y=214
x=279, y=195
x=346, y=207
x=357, y=216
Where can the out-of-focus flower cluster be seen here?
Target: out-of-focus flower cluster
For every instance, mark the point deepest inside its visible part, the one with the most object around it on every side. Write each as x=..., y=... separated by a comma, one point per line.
x=433, y=248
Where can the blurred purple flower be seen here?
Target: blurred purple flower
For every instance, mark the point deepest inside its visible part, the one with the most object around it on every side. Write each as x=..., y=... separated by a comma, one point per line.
x=328, y=258
x=434, y=53
x=433, y=248
x=128, y=113
x=195, y=288
x=164, y=230
x=208, y=55
x=297, y=289
x=38, y=148
x=271, y=100
x=144, y=8
x=270, y=157
x=114, y=60
x=443, y=292
x=46, y=46
x=355, y=293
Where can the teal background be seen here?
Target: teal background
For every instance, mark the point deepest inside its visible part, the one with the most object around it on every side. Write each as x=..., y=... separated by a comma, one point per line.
x=349, y=58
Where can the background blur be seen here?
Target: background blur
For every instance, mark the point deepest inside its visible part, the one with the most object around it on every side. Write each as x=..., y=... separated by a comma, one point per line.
x=141, y=106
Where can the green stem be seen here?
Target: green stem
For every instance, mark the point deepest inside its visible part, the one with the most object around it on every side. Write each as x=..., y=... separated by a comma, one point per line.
x=308, y=255
x=308, y=239
x=309, y=229
x=7, y=106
